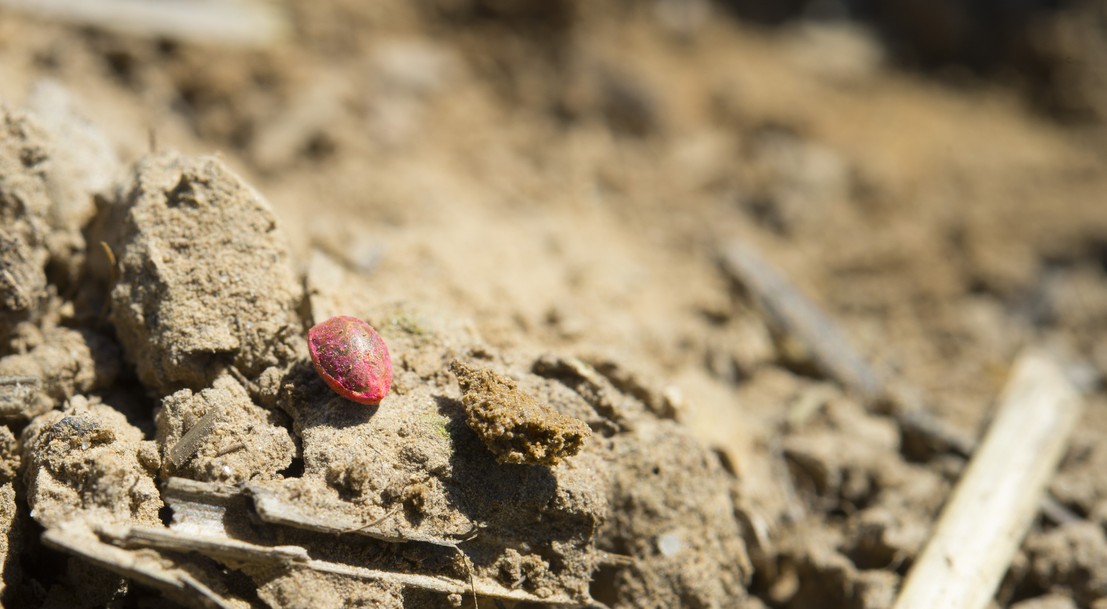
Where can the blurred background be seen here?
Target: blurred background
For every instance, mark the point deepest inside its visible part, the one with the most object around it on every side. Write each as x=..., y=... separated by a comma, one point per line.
x=566, y=174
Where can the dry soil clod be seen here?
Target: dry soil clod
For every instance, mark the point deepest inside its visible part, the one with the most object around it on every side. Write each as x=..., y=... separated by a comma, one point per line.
x=22, y=280
x=65, y=363
x=87, y=462
x=515, y=426
x=204, y=277
x=219, y=434
x=24, y=207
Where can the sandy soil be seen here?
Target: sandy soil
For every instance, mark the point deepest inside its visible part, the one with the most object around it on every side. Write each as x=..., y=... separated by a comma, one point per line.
x=531, y=204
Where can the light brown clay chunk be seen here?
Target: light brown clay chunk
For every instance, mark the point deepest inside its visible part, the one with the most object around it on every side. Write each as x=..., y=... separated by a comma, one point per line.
x=513, y=425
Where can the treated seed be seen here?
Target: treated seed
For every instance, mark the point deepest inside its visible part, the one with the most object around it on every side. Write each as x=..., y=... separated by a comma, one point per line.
x=352, y=358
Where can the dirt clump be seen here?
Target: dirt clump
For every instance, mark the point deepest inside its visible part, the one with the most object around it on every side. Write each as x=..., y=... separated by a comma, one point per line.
x=188, y=231
x=512, y=424
x=1073, y=555
x=10, y=455
x=667, y=512
x=11, y=540
x=55, y=364
x=24, y=205
x=87, y=462
x=219, y=435
x=22, y=281
x=671, y=508
x=859, y=506
x=292, y=588
x=51, y=165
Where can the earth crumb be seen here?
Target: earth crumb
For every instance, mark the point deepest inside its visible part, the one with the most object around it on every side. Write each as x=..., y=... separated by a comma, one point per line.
x=87, y=462
x=188, y=230
x=516, y=427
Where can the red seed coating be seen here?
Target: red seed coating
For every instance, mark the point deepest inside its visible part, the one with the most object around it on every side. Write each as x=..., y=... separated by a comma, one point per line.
x=352, y=358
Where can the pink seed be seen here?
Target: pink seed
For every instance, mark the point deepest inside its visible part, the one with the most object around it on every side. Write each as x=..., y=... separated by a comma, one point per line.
x=352, y=358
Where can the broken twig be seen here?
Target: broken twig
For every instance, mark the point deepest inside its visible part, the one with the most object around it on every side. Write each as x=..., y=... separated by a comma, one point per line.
x=190, y=442
x=792, y=312
x=79, y=539
x=999, y=494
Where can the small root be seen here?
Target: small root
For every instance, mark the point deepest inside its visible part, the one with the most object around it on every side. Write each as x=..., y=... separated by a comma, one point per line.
x=469, y=569
x=390, y=514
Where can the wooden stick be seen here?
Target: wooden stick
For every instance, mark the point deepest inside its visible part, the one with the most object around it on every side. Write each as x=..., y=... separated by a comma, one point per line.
x=789, y=311
x=994, y=503
x=231, y=22
x=830, y=349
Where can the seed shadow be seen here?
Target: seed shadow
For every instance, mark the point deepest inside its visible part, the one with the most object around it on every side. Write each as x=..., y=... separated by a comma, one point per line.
x=311, y=403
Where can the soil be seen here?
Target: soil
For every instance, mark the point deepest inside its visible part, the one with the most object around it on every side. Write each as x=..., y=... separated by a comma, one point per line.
x=533, y=204
x=516, y=427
